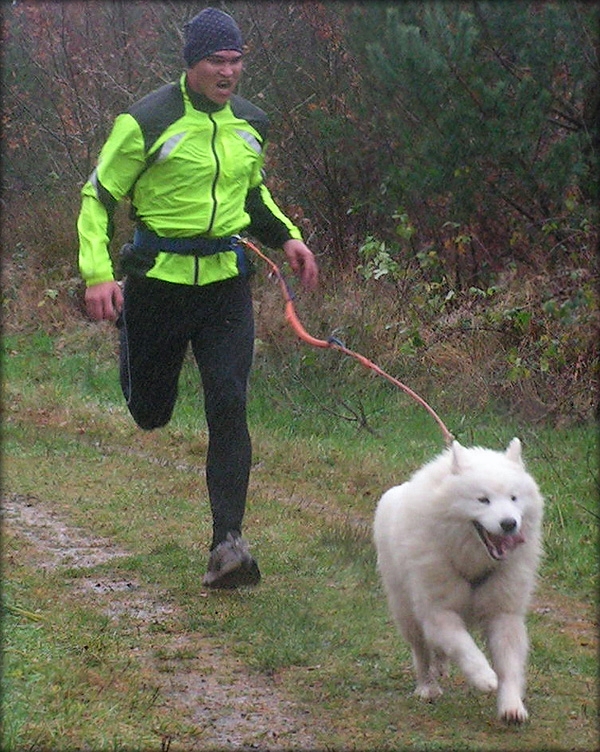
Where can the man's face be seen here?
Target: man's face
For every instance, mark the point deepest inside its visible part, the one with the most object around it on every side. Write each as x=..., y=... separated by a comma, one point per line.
x=216, y=76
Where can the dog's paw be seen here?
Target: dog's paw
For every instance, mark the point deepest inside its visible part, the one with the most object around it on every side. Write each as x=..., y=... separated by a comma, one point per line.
x=511, y=709
x=485, y=680
x=429, y=691
x=514, y=715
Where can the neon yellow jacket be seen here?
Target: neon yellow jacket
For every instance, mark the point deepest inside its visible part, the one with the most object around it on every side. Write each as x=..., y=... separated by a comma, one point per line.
x=191, y=169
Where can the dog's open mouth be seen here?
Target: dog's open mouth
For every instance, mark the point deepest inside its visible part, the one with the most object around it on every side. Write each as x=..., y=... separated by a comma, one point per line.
x=498, y=545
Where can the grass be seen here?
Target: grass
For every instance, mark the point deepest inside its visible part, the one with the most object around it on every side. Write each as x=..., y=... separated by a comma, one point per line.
x=318, y=626
x=67, y=677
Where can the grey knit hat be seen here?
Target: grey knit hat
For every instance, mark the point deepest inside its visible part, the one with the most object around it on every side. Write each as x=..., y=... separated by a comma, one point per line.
x=208, y=32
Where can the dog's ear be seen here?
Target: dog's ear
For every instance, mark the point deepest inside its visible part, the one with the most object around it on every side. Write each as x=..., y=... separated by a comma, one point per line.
x=513, y=452
x=457, y=453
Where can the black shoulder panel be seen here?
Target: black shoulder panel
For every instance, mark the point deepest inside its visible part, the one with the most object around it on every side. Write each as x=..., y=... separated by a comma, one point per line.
x=245, y=110
x=156, y=111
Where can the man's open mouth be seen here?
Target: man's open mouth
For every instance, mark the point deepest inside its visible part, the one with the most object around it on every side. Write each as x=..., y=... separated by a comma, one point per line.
x=498, y=545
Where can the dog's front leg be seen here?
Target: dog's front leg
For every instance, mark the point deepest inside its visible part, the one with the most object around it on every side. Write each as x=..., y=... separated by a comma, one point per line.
x=508, y=644
x=446, y=632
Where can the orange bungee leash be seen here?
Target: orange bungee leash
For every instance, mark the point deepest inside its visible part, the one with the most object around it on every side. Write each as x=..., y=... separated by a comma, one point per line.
x=334, y=344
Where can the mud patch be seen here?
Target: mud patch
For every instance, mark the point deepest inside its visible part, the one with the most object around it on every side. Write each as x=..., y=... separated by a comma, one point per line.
x=61, y=545
x=225, y=705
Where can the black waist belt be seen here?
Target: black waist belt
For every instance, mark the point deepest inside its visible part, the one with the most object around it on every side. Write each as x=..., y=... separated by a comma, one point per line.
x=147, y=240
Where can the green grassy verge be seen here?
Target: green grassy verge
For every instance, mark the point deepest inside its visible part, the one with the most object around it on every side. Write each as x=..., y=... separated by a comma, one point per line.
x=318, y=625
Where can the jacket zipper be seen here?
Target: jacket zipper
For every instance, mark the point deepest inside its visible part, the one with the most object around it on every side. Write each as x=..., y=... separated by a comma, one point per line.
x=213, y=193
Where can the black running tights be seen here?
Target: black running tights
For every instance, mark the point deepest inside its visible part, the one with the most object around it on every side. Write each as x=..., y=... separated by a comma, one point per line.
x=159, y=321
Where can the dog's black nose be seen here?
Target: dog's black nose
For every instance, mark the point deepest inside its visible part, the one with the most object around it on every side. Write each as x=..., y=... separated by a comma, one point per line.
x=508, y=525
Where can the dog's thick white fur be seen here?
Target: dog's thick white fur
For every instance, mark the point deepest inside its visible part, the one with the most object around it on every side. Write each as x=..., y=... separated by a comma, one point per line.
x=458, y=546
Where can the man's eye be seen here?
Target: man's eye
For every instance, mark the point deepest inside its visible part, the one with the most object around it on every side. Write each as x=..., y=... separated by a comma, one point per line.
x=223, y=61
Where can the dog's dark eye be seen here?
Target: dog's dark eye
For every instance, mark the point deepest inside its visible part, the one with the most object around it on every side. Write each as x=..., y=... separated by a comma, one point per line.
x=483, y=500
x=513, y=498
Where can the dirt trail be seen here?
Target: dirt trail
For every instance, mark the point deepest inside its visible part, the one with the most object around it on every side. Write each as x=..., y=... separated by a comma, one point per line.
x=229, y=706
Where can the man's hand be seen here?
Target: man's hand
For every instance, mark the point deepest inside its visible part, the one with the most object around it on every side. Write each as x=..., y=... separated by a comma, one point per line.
x=303, y=262
x=104, y=301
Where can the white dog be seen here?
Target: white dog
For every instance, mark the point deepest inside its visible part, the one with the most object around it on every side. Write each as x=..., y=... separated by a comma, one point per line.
x=458, y=545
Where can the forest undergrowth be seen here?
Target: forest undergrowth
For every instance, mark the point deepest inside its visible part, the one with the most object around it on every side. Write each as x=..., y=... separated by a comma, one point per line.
x=525, y=342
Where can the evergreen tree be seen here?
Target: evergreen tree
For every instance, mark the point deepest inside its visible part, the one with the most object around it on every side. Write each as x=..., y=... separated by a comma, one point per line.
x=481, y=108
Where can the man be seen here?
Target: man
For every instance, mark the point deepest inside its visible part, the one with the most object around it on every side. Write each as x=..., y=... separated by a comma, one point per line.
x=190, y=156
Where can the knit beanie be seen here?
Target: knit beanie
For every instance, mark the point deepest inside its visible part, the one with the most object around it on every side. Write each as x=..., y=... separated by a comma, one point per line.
x=208, y=32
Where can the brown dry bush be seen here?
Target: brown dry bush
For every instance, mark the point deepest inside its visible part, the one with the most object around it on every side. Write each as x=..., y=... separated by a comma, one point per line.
x=529, y=347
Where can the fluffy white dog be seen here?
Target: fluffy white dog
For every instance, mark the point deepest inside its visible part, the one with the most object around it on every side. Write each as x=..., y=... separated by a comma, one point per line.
x=458, y=545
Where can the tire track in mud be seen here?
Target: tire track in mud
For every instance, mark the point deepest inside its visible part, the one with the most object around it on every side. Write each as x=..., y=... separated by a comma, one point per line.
x=229, y=706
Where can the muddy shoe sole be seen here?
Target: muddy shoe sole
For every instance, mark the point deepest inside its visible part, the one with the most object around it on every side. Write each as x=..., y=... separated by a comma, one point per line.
x=230, y=565
x=246, y=575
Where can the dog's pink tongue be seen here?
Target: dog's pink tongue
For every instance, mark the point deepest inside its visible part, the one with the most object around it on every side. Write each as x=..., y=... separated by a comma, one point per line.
x=508, y=542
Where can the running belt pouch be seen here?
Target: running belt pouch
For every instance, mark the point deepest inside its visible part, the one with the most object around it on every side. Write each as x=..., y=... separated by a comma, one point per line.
x=136, y=262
